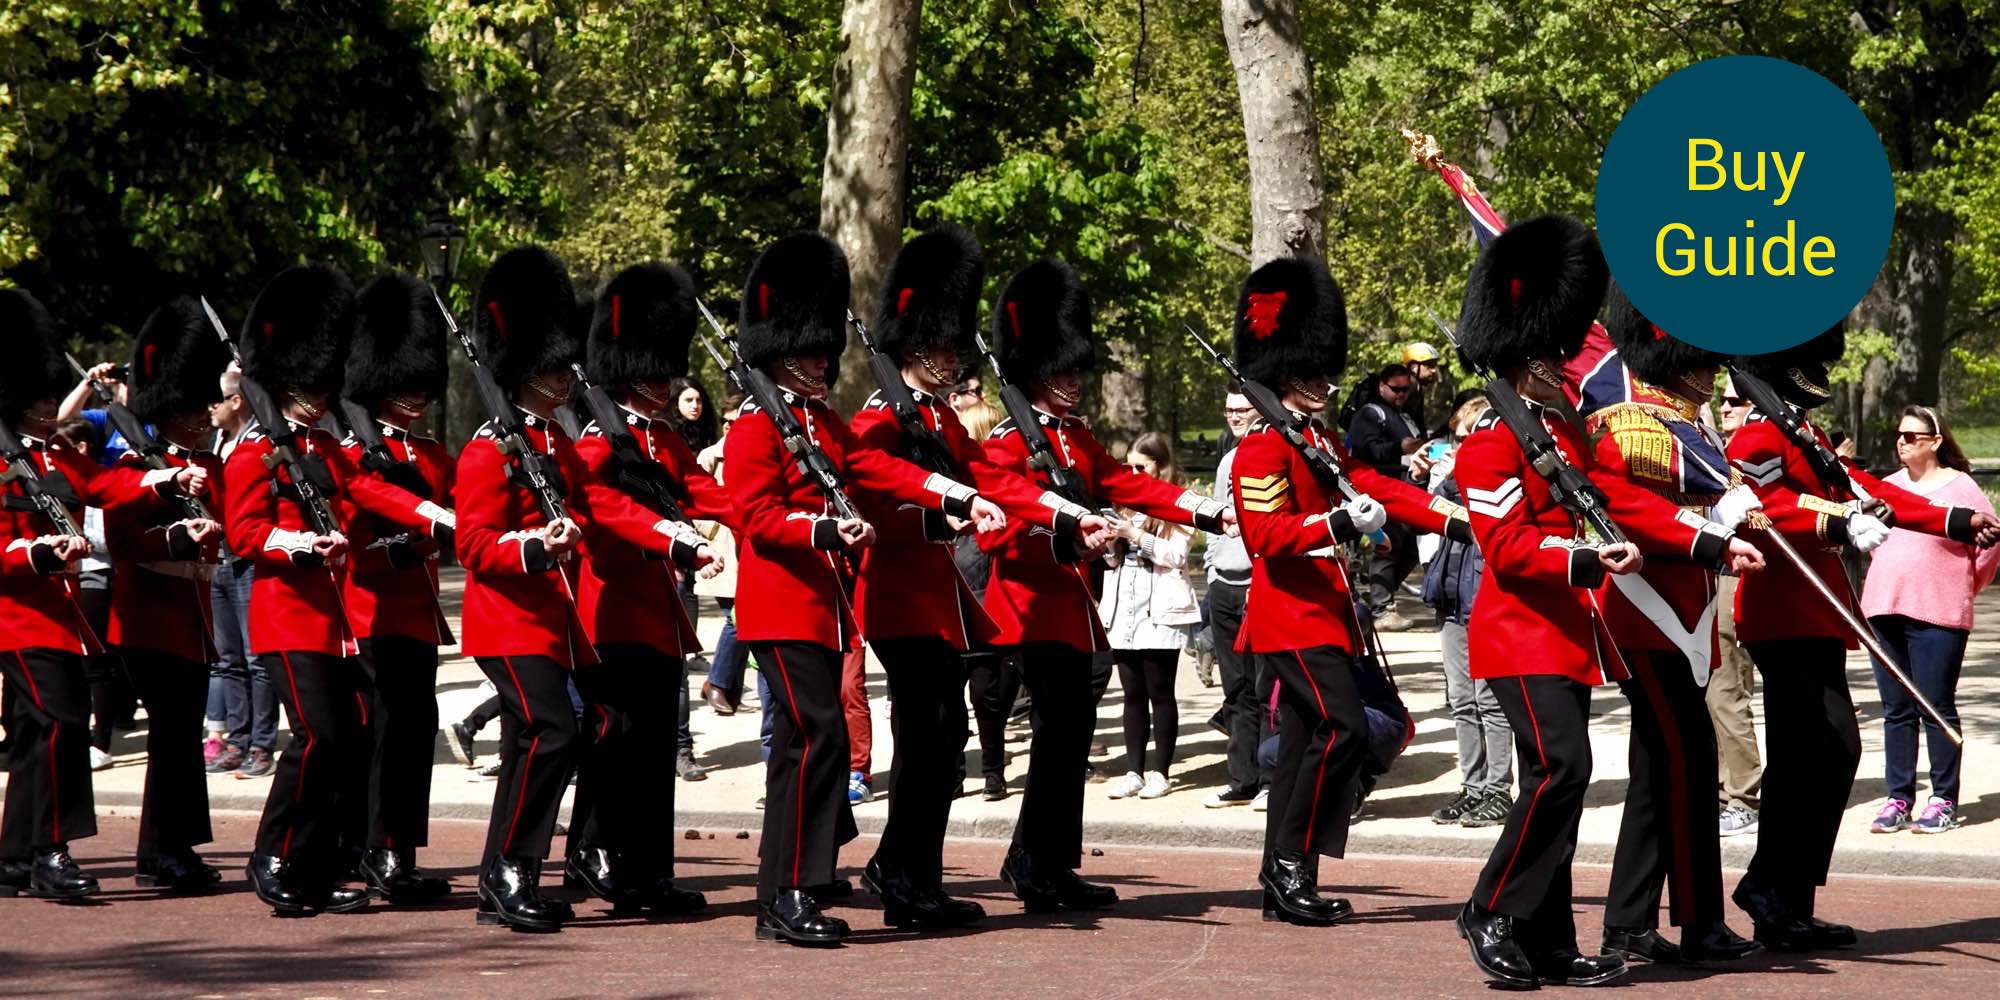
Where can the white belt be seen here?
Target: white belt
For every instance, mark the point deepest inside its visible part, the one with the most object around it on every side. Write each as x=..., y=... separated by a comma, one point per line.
x=1697, y=645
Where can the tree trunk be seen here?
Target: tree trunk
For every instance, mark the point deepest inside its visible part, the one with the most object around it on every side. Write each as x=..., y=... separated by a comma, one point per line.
x=1274, y=85
x=867, y=142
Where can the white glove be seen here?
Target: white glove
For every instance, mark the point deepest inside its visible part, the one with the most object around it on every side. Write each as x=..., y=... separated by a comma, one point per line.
x=1866, y=531
x=1736, y=505
x=1365, y=514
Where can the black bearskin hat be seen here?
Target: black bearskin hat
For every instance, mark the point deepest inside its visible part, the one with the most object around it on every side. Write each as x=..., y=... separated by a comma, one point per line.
x=1290, y=320
x=1041, y=324
x=297, y=333
x=795, y=302
x=931, y=297
x=1532, y=294
x=1649, y=352
x=1799, y=373
x=642, y=325
x=177, y=363
x=399, y=343
x=35, y=369
x=527, y=316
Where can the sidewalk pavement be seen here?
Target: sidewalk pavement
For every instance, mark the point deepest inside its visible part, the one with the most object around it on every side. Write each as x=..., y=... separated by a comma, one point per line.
x=1397, y=819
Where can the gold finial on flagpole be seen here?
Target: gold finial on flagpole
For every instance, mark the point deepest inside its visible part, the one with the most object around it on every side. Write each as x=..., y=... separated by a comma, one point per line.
x=1423, y=147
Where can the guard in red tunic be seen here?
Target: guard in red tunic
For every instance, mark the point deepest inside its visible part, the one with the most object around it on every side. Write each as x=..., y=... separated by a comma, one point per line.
x=1039, y=591
x=294, y=346
x=1528, y=306
x=621, y=842
x=395, y=370
x=160, y=621
x=1800, y=645
x=1643, y=401
x=915, y=608
x=43, y=635
x=791, y=603
x=1291, y=336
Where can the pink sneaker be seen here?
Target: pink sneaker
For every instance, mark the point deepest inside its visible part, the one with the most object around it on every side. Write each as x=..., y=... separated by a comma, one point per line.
x=1894, y=816
x=211, y=748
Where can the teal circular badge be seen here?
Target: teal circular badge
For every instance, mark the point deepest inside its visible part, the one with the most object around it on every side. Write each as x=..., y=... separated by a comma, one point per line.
x=1745, y=204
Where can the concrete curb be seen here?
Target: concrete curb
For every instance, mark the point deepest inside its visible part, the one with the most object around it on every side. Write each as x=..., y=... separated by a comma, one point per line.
x=1847, y=860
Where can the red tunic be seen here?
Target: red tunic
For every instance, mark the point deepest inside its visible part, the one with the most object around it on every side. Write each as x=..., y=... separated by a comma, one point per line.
x=1536, y=612
x=1033, y=593
x=618, y=578
x=38, y=610
x=1778, y=603
x=1299, y=600
x=295, y=607
x=909, y=586
x=786, y=589
x=159, y=595
x=391, y=584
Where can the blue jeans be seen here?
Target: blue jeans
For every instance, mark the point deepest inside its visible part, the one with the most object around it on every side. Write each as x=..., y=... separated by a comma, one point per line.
x=725, y=672
x=770, y=708
x=1933, y=655
x=240, y=694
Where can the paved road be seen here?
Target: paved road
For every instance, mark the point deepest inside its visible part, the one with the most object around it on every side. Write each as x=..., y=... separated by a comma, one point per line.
x=1189, y=927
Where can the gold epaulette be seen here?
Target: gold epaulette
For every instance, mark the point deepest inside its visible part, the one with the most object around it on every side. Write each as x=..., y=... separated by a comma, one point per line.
x=1647, y=445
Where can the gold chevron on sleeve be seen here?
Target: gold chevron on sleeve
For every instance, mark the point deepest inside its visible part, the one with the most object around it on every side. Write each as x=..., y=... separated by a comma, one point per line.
x=1264, y=494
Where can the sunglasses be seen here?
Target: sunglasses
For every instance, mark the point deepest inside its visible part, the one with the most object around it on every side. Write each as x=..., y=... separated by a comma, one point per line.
x=1912, y=437
x=1398, y=389
x=1732, y=402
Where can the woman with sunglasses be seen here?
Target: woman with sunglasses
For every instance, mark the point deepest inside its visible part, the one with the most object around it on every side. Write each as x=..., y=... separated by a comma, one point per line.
x=1918, y=598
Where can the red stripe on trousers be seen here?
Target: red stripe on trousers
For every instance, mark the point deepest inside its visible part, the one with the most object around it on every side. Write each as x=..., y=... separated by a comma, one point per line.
x=1319, y=775
x=798, y=813
x=507, y=842
x=1529, y=816
x=305, y=753
x=1678, y=831
x=55, y=729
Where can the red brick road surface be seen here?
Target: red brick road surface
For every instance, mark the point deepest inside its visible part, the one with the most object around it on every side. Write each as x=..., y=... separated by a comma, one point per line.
x=1188, y=927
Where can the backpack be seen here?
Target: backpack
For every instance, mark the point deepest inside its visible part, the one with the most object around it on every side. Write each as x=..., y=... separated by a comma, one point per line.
x=1367, y=391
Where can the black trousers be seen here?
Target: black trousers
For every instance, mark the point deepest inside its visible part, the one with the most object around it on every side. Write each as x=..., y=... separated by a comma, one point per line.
x=538, y=737
x=112, y=693
x=1241, y=711
x=1322, y=743
x=312, y=793
x=927, y=685
x=1814, y=748
x=806, y=815
x=993, y=681
x=1527, y=877
x=1063, y=713
x=1669, y=833
x=49, y=799
x=399, y=677
x=623, y=803
x=173, y=815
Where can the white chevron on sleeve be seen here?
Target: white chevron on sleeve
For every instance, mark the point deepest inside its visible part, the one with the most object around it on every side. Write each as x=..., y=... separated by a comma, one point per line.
x=1766, y=472
x=1497, y=501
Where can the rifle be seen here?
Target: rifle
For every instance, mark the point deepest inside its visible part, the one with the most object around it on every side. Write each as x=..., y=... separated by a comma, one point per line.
x=1825, y=464
x=1041, y=455
x=927, y=447
x=1324, y=466
x=645, y=479
x=812, y=462
x=349, y=417
x=21, y=468
x=137, y=438
x=311, y=481
x=537, y=470
x=1570, y=488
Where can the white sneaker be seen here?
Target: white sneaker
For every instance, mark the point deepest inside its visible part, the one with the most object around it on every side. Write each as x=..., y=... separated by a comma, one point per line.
x=1262, y=803
x=99, y=760
x=1156, y=786
x=1127, y=786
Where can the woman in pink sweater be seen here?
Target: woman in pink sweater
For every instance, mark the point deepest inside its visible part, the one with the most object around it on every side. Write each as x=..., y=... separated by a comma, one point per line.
x=1918, y=597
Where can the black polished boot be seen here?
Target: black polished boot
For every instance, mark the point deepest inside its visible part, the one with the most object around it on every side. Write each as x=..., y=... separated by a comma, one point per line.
x=1037, y=894
x=177, y=872
x=1291, y=892
x=794, y=917
x=13, y=877
x=1569, y=967
x=1830, y=935
x=1773, y=924
x=1645, y=944
x=655, y=892
x=394, y=876
x=343, y=897
x=1494, y=948
x=904, y=903
x=1715, y=943
x=603, y=873
x=508, y=895
x=53, y=874
x=277, y=882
